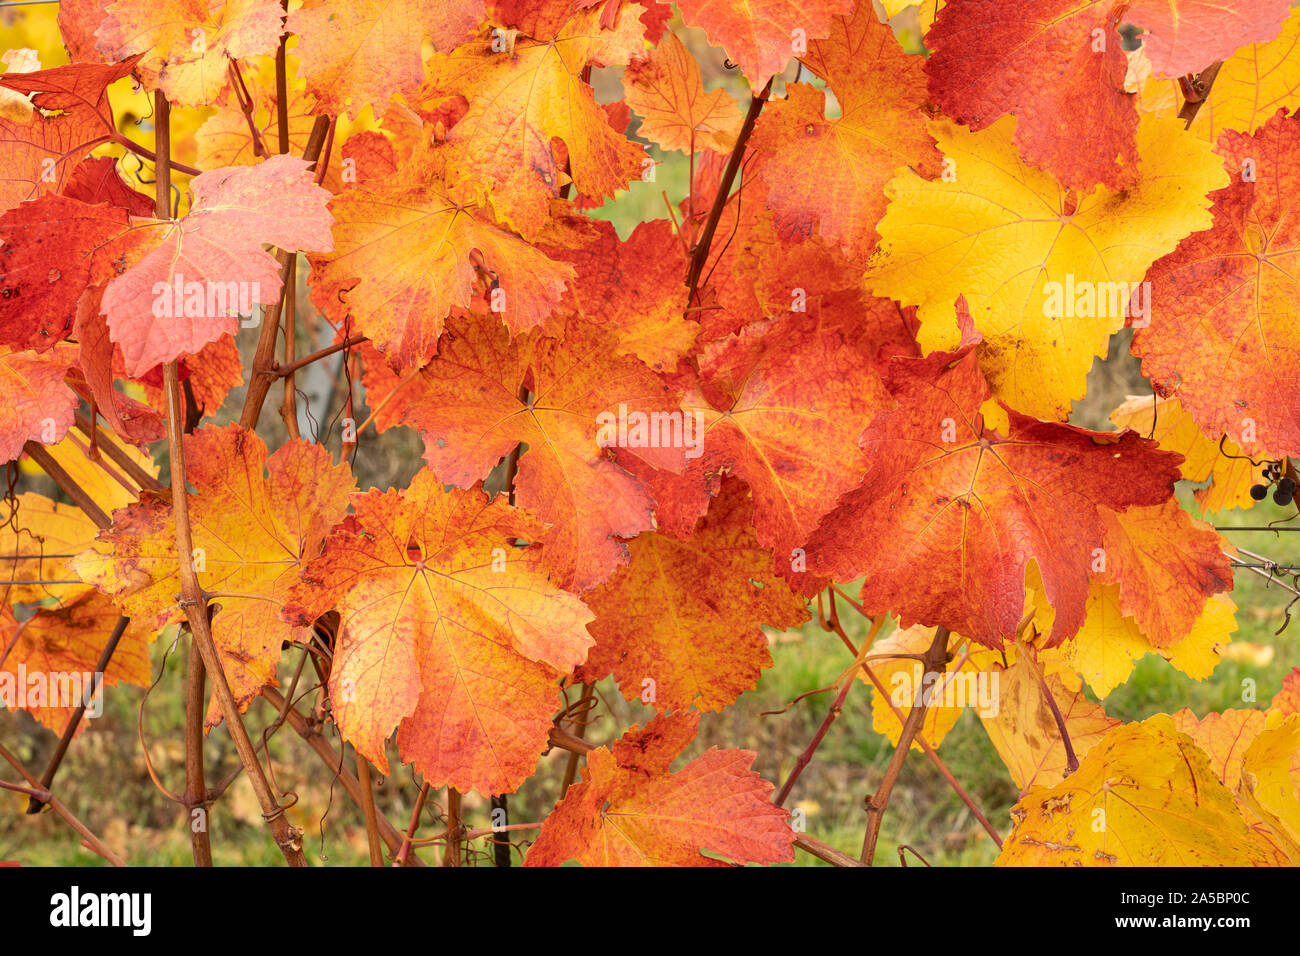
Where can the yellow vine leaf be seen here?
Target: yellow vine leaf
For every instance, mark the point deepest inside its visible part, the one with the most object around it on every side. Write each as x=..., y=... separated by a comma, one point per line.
x=1041, y=267
x=1024, y=730
x=1145, y=795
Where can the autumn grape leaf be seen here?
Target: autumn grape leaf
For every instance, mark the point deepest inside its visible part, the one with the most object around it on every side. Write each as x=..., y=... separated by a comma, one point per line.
x=973, y=507
x=679, y=626
x=186, y=47
x=72, y=116
x=1270, y=778
x=1166, y=564
x=1041, y=60
x=52, y=250
x=356, y=53
x=1251, y=85
x=781, y=406
x=56, y=652
x=519, y=101
x=1230, y=473
x=944, y=696
x=256, y=520
x=469, y=410
x=1107, y=646
x=206, y=262
x=404, y=258
x=1156, y=798
x=1186, y=36
x=666, y=91
x=38, y=406
x=1024, y=729
x=449, y=632
x=881, y=127
x=1232, y=289
x=629, y=810
x=1048, y=275
x=761, y=36
x=637, y=285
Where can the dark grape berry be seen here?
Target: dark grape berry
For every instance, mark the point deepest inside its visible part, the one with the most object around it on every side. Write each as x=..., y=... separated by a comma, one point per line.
x=1287, y=486
x=1282, y=498
x=1258, y=492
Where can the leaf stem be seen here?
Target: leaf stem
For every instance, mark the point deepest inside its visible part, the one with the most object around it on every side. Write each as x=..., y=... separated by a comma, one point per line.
x=827, y=854
x=701, y=251
x=196, y=793
x=286, y=837
x=368, y=808
x=836, y=708
x=409, y=835
x=878, y=802
x=264, y=373
x=65, y=739
x=306, y=360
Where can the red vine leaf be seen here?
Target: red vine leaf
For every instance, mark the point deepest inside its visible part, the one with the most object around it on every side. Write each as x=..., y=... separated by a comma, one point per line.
x=629, y=810
x=679, y=626
x=449, y=633
x=950, y=512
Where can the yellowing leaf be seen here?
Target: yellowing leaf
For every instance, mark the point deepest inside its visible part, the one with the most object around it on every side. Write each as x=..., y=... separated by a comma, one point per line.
x=448, y=633
x=1024, y=729
x=403, y=259
x=519, y=102
x=1270, y=775
x=360, y=52
x=629, y=810
x=881, y=128
x=1109, y=644
x=1145, y=795
x=188, y=44
x=1165, y=420
x=1046, y=273
x=665, y=89
x=683, y=617
x=256, y=520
